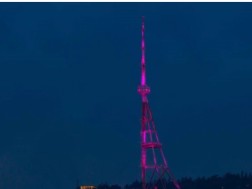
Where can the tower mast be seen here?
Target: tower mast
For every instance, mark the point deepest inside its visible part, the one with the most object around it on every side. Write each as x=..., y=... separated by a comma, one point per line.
x=154, y=166
x=143, y=75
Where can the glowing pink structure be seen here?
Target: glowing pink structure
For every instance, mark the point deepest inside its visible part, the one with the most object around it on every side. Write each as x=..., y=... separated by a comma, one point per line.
x=154, y=166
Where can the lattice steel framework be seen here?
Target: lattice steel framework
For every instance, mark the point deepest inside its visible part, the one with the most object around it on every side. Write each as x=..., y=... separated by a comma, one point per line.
x=154, y=167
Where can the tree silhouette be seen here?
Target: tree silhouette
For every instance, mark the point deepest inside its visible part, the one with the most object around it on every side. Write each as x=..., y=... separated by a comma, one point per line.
x=227, y=181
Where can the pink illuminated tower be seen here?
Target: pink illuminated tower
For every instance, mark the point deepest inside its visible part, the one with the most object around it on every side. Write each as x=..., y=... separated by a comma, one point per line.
x=154, y=167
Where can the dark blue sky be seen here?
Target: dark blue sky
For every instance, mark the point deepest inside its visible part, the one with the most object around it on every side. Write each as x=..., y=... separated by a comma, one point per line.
x=69, y=107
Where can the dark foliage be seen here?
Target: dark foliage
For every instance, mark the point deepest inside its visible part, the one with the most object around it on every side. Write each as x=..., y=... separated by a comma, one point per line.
x=227, y=181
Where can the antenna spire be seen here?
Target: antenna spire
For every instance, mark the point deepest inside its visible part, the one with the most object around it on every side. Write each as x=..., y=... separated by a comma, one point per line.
x=143, y=89
x=143, y=76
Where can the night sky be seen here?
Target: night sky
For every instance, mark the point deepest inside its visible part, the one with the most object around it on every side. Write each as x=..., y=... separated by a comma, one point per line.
x=69, y=107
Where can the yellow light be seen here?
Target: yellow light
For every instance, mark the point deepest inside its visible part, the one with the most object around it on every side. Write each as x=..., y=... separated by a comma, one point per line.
x=87, y=187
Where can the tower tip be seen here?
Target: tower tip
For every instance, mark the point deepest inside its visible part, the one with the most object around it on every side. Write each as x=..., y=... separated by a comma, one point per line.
x=143, y=76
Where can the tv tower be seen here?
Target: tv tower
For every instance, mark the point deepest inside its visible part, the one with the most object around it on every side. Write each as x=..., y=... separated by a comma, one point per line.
x=154, y=167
